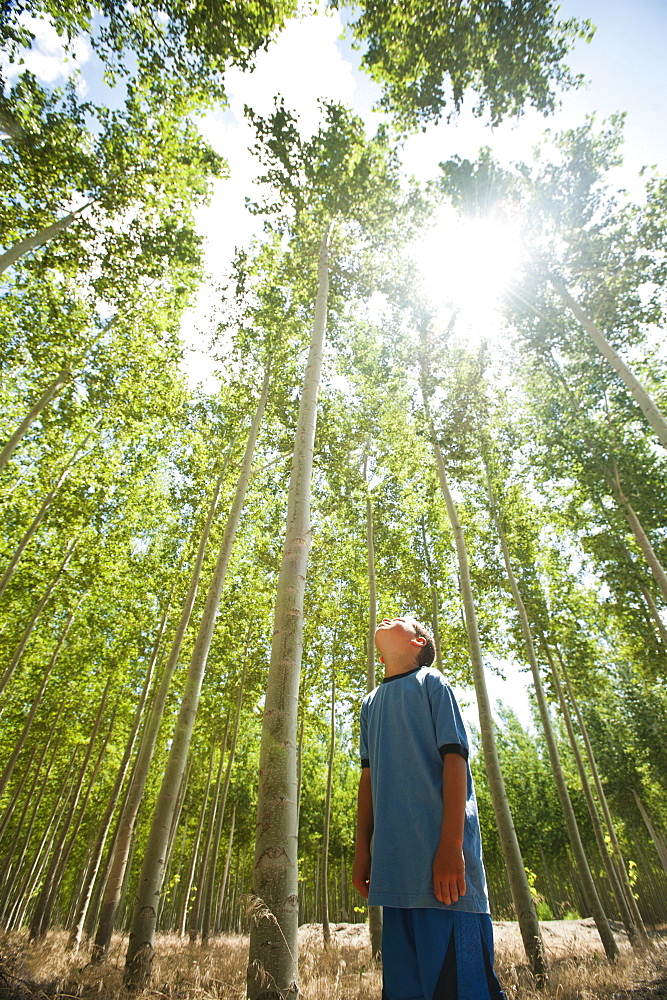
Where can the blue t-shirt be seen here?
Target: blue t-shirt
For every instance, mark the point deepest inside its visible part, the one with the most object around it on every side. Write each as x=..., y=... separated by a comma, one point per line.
x=408, y=723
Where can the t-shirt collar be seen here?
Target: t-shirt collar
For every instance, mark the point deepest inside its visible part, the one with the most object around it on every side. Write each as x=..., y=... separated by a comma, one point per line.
x=395, y=677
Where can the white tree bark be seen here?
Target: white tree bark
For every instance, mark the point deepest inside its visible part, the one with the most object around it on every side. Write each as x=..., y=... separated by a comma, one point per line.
x=647, y=405
x=22, y=247
x=273, y=958
x=49, y=394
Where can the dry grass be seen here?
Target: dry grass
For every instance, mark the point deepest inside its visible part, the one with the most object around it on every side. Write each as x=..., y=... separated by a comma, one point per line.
x=344, y=971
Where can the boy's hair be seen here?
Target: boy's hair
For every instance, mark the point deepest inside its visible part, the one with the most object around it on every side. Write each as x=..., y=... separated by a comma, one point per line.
x=426, y=653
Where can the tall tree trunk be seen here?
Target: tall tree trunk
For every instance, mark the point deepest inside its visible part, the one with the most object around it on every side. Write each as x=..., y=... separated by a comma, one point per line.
x=326, y=930
x=47, y=396
x=273, y=955
x=609, y=867
x=645, y=402
x=585, y=878
x=22, y=247
x=642, y=538
x=139, y=956
x=646, y=594
x=435, y=609
x=65, y=855
x=27, y=632
x=374, y=912
x=617, y=854
x=123, y=838
x=655, y=835
x=210, y=886
x=516, y=872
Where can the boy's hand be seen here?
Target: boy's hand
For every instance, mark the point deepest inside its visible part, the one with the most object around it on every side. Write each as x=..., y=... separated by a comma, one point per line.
x=449, y=873
x=361, y=873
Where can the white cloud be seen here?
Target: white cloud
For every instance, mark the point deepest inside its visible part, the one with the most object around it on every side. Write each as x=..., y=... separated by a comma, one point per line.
x=303, y=65
x=48, y=58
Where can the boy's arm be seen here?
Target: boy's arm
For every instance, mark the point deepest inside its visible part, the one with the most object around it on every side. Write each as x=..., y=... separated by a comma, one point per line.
x=449, y=881
x=361, y=868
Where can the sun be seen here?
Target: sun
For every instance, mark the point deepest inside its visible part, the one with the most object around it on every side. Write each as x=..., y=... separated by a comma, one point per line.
x=466, y=264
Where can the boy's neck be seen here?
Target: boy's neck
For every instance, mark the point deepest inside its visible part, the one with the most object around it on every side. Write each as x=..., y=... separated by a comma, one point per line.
x=394, y=667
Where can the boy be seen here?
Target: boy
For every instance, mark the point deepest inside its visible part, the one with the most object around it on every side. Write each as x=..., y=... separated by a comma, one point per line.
x=417, y=802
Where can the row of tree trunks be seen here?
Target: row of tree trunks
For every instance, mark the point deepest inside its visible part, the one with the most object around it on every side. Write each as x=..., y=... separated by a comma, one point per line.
x=127, y=822
x=612, y=875
x=88, y=883
x=585, y=877
x=602, y=799
x=41, y=917
x=140, y=951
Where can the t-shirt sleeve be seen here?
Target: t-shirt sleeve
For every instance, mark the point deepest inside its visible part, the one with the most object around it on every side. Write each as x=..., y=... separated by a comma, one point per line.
x=450, y=731
x=363, y=736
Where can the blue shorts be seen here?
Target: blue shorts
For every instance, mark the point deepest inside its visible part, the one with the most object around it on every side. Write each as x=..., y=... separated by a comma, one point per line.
x=434, y=954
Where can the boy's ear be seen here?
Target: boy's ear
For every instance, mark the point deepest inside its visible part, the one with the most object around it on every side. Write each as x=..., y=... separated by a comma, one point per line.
x=418, y=640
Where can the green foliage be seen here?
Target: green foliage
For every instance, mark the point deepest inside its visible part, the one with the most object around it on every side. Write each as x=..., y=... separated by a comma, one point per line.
x=428, y=56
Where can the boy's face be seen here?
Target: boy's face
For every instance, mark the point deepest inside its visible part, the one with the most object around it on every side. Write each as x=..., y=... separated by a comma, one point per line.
x=396, y=639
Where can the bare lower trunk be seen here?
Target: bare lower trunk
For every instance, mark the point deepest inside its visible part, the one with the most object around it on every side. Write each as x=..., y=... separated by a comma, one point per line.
x=646, y=404
x=195, y=913
x=273, y=959
x=374, y=912
x=76, y=932
x=194, y=856
x=326, y=930
x=139, y=958
x=31, y=878
x=225, y=873
x=585, y=878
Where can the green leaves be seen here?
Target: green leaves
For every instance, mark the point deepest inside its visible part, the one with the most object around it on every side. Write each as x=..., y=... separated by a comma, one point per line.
x=429, y=56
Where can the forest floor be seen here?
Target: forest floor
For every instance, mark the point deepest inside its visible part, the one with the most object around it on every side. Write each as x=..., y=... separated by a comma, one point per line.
x=344, y=971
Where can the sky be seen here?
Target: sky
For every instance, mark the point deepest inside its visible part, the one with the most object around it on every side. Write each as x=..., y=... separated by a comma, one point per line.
x=625, y=69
